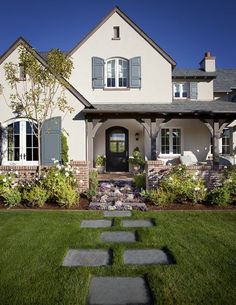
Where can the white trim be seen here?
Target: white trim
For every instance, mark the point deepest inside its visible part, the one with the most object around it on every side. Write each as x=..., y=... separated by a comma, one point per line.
x=171, y=154
x=181, y=90
x=22, y=144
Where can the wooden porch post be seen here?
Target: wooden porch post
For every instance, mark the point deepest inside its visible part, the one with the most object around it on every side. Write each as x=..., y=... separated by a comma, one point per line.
x=216, y=145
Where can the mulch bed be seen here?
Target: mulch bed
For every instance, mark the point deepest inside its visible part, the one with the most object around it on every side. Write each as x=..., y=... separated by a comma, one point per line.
x=84, y=205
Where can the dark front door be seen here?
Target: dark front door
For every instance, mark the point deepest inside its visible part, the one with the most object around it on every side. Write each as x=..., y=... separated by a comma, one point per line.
x=117, y=149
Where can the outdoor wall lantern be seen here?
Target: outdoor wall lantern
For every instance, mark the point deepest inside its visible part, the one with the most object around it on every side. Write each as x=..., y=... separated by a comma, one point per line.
x=137, y=136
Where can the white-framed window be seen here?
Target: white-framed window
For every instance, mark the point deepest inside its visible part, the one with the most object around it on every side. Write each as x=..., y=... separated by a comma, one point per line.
x=116, y=32
x=170, y=141
x=117, y=73
x=226, y=141
x=20, y=143
x=22, y=75
x=181, y=90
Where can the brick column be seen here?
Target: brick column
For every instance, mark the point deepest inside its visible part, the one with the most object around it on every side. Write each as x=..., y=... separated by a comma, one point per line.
x=152, y=169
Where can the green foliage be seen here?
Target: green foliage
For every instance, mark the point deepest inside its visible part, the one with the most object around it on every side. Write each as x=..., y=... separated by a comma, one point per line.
x=66, y=196
x=220, y=196
x=140, y=181
x=231, y=179
x=93, y=185
x=60, y=183
x=136, y=158
x=11, y=196
x=100, y=160
x=64, y=149
x=158, y=197
x=35, y=195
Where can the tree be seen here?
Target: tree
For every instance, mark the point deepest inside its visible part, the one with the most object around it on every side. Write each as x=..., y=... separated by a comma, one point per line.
x=42, y=90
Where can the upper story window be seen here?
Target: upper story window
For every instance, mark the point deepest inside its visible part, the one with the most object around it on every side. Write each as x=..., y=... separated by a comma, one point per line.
x=170, y=141
x=226, y=141
x=117, y=73
x=181, y=90
x=116, y=32
x=22, y=75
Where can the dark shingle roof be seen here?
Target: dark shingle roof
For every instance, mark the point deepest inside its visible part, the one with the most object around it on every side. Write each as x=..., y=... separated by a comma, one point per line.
x=192, y=73
x=225, y=80
x=174, y=107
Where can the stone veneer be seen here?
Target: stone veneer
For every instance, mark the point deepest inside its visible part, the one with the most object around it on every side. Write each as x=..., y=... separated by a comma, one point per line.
x=206, y=172
x=26, y=172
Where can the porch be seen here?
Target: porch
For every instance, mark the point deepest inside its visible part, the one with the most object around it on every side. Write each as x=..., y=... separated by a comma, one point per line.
x=161, y=132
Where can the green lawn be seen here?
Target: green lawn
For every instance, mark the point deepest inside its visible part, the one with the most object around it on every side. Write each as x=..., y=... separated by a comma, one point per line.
x=33, y=244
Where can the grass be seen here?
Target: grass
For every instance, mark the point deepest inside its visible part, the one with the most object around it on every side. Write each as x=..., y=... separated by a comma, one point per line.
x=33, y=244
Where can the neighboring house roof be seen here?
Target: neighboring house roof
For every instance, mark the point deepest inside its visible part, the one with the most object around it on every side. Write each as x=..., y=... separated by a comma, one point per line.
x=225, y=80
x=22, y=41
x=192, y=73
x=134, y=26
x=221, y=107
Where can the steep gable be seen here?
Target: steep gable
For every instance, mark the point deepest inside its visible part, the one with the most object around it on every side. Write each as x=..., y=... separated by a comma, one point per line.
x=133, y=25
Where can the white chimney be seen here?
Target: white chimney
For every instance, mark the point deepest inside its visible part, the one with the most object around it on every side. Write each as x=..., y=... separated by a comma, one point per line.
x=208, y=64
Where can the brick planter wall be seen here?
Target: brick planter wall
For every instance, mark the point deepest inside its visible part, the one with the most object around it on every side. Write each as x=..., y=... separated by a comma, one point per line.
x=81, y=172
x=206, y=172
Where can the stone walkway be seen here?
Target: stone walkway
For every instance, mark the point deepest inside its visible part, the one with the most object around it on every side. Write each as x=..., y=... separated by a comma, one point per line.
x=117, y=290
x=117, y=195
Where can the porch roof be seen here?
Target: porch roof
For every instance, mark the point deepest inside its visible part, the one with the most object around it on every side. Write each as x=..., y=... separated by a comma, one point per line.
x=176, y=109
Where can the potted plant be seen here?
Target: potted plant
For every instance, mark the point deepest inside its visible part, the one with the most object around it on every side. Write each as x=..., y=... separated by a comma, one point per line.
x=136, y=160
x=100, y=164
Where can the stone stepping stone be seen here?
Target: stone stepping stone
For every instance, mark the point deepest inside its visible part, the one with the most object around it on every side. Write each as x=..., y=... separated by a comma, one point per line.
x=90, y=257
x=117, y=214
x=146, y=257
x=137, y=223
x=98, y=223
x=119, y=291
x=118, y=237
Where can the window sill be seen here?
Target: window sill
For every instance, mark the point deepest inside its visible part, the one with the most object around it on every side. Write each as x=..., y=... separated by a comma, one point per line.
x=115, y=39
x=165, y=156
x=116, y=89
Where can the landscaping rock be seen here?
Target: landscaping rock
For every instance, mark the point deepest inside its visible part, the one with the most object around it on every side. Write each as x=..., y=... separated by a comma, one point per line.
x=146, y=257
x=115, y=237
x=119, y=291
x=137, y=223
x=117, y=214
x=98, y=223
x=90, y=257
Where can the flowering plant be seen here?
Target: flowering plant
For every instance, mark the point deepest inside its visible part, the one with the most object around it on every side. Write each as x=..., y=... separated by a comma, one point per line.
x=136, y=158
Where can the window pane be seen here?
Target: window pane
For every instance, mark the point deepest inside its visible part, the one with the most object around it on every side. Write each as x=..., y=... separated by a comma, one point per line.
x=35, y=141
x=17, y=128
x=113, y=147
x=35, y=154
x=28, y=128
x=176, y=138
x=185, y=89
x=28, y=140
x=165, y=141
x=16, y=154
x=10, y=155
x=121, y=147
x=17, y=140
x=226, y=141
x=29, y=154
x=123, y=73
x=117, y=137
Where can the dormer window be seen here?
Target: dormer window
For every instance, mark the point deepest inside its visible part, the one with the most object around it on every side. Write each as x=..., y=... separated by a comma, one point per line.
x=181, y=90
x=117, y=73
x=116, y=32
x=22, y=75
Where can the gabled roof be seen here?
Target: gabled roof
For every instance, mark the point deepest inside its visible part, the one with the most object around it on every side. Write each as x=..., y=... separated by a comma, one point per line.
x=192, y=73
x=134, y=26
x=22, y=41
x=225, y=80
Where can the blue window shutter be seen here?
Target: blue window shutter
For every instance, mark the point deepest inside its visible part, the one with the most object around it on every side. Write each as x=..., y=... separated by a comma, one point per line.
x=51, y=140
x=193, y=91
x=135, y=72
x=97, y=72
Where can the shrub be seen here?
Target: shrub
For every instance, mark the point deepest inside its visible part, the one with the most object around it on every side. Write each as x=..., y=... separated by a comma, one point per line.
x=231, y=179
x=100, y=160
x=11, y=196
x=220, y=196
x=64, y=149
x=66, y=196
x=161, y=198
x=183, y=185
x=60, y=183
x=35, y=195
x=93, y=185
x=140, y=181
x=136, y=158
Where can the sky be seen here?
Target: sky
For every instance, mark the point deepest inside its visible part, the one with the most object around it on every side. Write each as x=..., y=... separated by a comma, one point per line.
x=185, y=29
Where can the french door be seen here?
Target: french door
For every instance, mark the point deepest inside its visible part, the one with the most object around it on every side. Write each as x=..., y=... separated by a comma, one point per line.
x=20, y=143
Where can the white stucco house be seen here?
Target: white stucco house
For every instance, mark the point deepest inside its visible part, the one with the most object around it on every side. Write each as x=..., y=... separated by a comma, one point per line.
x=127, y=92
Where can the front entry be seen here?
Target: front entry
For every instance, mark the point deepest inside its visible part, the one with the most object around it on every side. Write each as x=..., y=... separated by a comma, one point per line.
x=117, y=149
